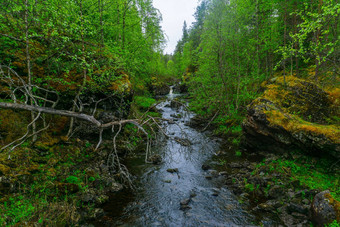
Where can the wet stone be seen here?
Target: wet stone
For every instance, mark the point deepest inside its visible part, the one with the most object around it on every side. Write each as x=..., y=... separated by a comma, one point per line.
x=206, y=167
x=185, y=207
x=235, y=165
x=185, y=202
x=224, y=173
x=183, y=142
x=193, y=194
x=264, y=207
x=213, y=172
x=175, y=170
x=156, y=159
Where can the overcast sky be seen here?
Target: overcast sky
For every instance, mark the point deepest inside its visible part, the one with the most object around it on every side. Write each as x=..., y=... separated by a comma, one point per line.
x=174, y=13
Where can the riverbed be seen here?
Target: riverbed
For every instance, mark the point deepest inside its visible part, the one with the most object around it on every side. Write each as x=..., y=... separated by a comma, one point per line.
x=178, y=191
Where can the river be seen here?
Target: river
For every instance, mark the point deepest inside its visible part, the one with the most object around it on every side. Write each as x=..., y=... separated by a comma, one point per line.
x=167, y=197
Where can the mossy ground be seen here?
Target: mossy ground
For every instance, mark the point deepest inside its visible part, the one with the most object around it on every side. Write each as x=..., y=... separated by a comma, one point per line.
x=308, y=172
x=36, y=186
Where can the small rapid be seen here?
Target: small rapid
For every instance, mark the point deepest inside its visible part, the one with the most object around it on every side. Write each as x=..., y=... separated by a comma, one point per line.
x=178, y=192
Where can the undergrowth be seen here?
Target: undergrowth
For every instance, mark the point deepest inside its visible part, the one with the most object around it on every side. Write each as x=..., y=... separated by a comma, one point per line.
x=309, y=171
x=46, y=186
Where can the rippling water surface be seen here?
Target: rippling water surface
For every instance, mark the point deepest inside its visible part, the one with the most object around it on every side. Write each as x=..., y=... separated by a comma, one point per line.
x=157, y=201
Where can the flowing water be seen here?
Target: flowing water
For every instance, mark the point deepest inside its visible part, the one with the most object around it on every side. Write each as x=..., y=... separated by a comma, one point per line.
x=157, y=201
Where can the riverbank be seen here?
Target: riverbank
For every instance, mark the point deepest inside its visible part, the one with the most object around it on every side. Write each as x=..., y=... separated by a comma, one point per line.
x=276, y=189
x=60, y=184
x=58, y=180
x=281, y=164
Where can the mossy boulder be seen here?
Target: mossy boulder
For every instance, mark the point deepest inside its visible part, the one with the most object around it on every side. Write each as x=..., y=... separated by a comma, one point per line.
x=294, y=113
x=157, y=87
x=325, y=209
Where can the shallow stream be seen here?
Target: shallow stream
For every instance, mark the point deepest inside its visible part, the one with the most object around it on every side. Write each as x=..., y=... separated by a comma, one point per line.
x=187, y=197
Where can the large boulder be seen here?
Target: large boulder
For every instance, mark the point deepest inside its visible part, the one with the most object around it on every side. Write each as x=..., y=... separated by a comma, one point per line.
x=180, y=88
x=295, y=114
x=325, y=209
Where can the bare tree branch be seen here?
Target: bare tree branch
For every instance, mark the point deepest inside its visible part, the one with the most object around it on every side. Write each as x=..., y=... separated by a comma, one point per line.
x=67, y=113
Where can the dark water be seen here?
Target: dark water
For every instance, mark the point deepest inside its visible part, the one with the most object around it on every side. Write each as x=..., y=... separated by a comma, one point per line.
x=156, y=202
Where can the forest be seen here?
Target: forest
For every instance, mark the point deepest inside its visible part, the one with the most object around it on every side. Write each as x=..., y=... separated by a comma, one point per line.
x=85, y=88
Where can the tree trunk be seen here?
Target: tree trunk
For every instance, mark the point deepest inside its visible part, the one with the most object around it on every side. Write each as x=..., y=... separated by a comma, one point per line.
x=29, y=72
x=84, y=69
x=284, y=42
x=100, y=8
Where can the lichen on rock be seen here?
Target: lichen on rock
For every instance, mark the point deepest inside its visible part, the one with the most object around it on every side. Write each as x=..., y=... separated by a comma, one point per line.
x=325, y=209
x=293, y=114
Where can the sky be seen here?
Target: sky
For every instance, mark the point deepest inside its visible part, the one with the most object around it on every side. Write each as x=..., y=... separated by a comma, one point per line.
x=174, y=13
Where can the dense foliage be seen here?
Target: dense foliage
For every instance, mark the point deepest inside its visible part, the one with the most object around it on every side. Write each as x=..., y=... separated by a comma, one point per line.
x=93, y=51
x=235, y=45
x=85, y=43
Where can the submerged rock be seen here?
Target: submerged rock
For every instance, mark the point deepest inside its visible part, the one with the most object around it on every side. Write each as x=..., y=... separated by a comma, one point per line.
x=175, y=170
x=182, y=141
x=293, y=116
x=185, y=202
x=185, y=207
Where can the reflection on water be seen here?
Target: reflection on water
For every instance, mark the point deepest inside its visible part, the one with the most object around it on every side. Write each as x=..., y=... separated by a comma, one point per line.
x=157, y=202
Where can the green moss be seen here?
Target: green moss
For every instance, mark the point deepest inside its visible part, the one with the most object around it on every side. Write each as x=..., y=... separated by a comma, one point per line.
x=4, y=169
x=41, y=175
x=144, y=102
x=335, y=223
x=293, y=123
x=154, y=114
x=302, y=98
x=16, y=209
x=308, y=171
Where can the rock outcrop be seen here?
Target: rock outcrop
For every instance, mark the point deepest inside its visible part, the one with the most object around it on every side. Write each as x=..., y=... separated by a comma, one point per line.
x=181, y=88
x=294, y=114
x=159, y=88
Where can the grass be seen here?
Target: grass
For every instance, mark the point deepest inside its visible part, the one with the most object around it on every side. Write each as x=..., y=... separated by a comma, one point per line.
x=16, y=209
x=144, y=102
x=238, y=153
x=334, y=224
x=310, y=172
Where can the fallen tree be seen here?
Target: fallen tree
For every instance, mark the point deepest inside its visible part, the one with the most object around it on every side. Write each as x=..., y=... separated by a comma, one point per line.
x=16, y=94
